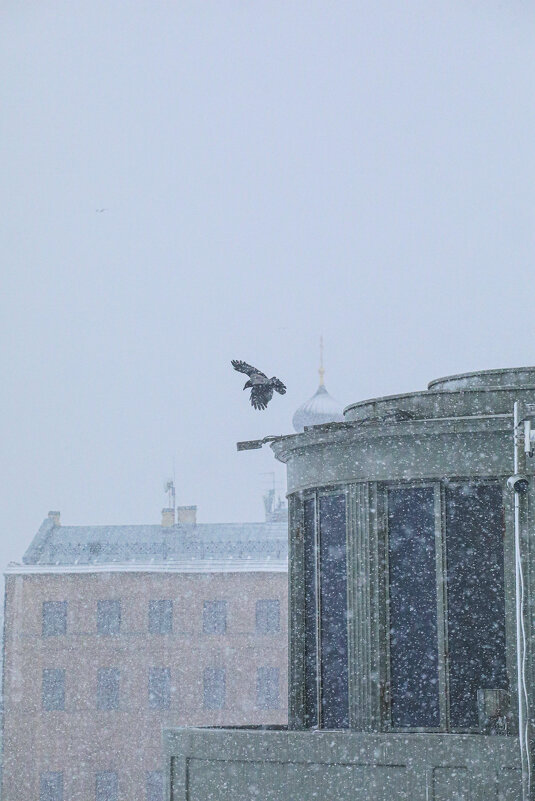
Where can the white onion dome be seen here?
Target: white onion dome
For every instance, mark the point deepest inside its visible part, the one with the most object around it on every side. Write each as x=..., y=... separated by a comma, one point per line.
x=320, y=408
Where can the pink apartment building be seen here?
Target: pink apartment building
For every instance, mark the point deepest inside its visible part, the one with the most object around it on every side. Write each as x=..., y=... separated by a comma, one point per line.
x=113, y=632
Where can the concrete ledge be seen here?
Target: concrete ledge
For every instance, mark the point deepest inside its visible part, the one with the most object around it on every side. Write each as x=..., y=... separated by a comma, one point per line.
x=259, y=765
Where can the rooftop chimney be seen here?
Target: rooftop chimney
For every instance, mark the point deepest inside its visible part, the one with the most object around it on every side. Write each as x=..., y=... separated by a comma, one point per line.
x=187, y=514
x=168, y=517
x=54, y=516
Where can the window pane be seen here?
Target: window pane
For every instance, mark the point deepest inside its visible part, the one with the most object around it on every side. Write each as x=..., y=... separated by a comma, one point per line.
x=215, y=617
x=267, y=617
x=214, y=688
x=109, y=617
x=155, y=785
x=54, y=618
x=476, y=601
x=53, y=686
x=51, y=787
x=267, y=688
x=159, y=688
x=311, y=679
x=333, y=603
x=160, y=617
x=413, y=608
x=108, y=688
x=106, y=786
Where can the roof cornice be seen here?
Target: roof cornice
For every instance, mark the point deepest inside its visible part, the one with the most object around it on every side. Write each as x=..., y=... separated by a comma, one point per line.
x=208, y=566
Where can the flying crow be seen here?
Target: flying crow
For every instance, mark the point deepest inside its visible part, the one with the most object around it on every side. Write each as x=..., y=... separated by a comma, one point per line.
x=261, y=386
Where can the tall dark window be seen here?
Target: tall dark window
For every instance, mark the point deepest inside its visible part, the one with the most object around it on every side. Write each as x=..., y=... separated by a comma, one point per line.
x=106, y=786
x=51, y=786
x=476, y=599
x=267, y=688
x=214, y=619
x=214, y=688
x=311, y=672
x=54, y=618
x=413, y=608
x=53, y=689
x=160, y=617
x=268, y=617
x=109, y=617
x=108, y=688
x=155, y=785
x=333, y=606
x=159, y=688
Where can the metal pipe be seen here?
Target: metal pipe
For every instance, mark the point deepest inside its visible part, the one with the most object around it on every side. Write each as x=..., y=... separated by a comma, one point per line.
x=523, y=702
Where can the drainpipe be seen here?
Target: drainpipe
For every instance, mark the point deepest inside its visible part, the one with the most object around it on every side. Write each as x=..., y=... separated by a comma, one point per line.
x=519, y=483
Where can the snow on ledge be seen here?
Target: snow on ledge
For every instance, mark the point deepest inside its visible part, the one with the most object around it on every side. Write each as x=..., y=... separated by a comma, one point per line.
x=182, y=566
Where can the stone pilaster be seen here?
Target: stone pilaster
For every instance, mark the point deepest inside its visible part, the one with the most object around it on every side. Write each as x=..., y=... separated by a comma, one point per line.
x=362, y=599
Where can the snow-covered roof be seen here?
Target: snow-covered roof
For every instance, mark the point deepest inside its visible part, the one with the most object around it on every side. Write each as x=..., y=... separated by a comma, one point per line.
x=154, y=544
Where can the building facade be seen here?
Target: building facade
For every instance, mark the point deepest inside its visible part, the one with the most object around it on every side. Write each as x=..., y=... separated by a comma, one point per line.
x=112, y=633
x=411, y=570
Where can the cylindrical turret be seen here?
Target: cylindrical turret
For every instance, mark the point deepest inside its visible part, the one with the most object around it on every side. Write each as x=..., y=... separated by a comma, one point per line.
x=402, y=589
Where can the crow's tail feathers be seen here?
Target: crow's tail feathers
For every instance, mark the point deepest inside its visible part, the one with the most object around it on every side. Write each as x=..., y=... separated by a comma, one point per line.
x=278, y=386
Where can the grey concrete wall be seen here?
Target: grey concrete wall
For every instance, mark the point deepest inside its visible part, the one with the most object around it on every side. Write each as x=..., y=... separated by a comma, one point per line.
x=231, y=765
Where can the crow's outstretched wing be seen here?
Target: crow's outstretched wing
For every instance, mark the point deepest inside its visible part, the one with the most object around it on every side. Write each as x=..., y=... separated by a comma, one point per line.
x=243, y=367
x=277, y=385
x=261, y=395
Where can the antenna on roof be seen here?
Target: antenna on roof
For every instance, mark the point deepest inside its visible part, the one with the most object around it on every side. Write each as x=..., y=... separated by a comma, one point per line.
x=169, y=487
x=272, y=474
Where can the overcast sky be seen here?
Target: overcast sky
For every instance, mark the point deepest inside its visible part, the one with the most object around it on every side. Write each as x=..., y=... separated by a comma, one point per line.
x=270, y=171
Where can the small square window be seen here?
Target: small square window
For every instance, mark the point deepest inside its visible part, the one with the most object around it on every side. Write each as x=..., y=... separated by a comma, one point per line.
x=54, y=618
x=106, y=786
x=53, y=689
x=214, y=688
x=108, y=688
x=267, y=617
x=160, y=617
x=159, y=688
x=51, y=786
x=109, y=617
x=155, y=785
x=214, y=617
x=267, y=688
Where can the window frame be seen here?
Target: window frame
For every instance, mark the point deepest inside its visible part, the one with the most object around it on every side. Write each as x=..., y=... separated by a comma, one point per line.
x=157, y=611
x=441, y=590
x=316, y=494
x=376, y=529
x=208, y=687
x=211, y=603
x=258, y=617
x=49, y=777
x=103, y=695
x=54, y=605
x=153, y=778
x=441, y=610
x=99, y=621
x=49, y=684
x=267, y=670
x=508, y=586
x=103, y=775
x=164, y=689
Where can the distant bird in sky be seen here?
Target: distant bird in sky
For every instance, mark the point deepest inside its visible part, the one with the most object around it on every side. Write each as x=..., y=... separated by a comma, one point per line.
x=99, y=211
x=261, y=386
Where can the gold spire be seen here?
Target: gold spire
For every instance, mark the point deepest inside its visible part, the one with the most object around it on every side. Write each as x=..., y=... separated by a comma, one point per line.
x=321, y=371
